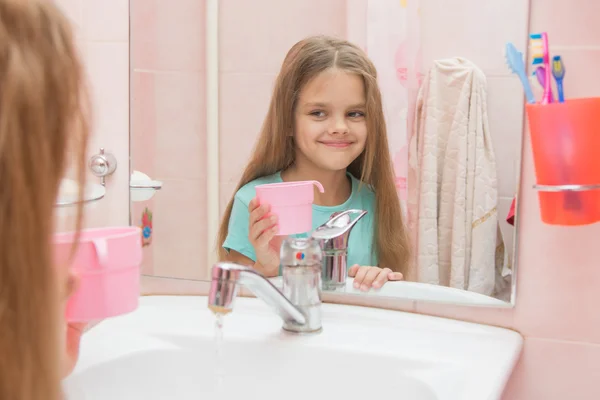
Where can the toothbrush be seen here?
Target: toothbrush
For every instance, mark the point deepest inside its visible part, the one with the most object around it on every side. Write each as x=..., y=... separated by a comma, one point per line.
x=540, y=74
x=539, y=53
x=514, y=60
x=558, y=70
x=571, y=199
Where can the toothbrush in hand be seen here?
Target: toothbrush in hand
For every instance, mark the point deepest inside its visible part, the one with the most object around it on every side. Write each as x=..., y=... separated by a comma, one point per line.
x=558, y=70
x=514, y=59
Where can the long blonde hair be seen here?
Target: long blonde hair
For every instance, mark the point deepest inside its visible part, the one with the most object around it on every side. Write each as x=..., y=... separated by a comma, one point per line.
x=43, y=124
x=274, y=150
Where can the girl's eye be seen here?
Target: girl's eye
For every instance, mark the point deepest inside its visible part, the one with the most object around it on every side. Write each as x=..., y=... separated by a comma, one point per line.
x=318, y=113
x=356, y=114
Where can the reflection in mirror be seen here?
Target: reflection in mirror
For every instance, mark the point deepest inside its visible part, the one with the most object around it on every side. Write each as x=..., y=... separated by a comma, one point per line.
x=427, y=153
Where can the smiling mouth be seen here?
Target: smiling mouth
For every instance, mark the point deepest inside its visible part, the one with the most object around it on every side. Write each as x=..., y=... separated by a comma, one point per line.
x=337, y=145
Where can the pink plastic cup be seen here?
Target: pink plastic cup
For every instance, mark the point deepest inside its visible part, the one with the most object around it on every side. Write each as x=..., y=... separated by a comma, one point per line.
x=291, y=202
x=108, y=262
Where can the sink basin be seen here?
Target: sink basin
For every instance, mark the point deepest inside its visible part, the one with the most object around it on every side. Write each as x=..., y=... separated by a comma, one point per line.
x=167, y=349
x=419, y=291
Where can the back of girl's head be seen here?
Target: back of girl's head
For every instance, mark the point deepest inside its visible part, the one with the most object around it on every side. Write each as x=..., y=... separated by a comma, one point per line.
x=42, y=124
x=275, y=150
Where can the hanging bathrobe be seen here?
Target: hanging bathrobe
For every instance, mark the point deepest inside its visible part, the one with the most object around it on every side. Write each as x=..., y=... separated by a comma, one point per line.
x=453, y=192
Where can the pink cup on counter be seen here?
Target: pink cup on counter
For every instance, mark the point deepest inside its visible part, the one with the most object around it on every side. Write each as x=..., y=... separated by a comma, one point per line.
x=107, y=261
x=291, y=202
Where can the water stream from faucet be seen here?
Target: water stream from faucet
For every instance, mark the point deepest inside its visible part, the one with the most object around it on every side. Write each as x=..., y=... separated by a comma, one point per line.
x=220, y=313
x=219, y=363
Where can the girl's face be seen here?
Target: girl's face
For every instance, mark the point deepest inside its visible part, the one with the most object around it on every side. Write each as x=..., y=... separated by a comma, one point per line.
x=330, y=127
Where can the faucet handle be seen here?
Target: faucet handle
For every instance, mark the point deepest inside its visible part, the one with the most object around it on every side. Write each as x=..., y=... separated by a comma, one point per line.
x=338, y=228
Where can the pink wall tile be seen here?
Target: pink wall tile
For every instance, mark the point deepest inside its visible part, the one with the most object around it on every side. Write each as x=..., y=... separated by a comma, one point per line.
x=108, y=69
x=72, y=9
x=168, y=129
x=143, y=123
x=505, y=115
x=226, y=192
x=153, y=286
x=180, y=239
x=567, y=23
x=167, y=35
x=106, y=20
x=452, y=28
x=555, y=370
x=244, y=101
x=245, y=27
x=180, y=140
x=356, y=22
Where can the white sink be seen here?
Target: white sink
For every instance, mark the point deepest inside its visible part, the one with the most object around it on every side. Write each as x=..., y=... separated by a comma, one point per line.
x=418, y=291
x=167, y=350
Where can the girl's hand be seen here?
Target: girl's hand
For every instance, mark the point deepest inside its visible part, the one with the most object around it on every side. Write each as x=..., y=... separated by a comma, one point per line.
x=73, y=332
x=262, y=233
x=366, y=278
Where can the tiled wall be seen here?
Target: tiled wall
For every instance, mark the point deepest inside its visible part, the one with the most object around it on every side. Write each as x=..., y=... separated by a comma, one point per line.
x=102, y=29
x=168, y=132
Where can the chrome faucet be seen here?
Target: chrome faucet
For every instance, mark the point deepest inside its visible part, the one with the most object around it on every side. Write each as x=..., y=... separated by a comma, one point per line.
x=333, y=238
x=299, y=302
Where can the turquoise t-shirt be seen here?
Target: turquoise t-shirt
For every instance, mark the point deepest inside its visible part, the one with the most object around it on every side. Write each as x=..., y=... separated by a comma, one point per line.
x=360, y=246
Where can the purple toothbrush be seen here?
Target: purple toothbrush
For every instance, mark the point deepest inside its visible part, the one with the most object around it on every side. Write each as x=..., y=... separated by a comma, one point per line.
x=540, y=74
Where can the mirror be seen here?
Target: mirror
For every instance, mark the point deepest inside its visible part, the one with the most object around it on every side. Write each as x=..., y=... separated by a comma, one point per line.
x=200, y=91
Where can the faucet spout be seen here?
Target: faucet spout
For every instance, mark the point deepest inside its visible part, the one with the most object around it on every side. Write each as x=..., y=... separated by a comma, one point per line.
x=226, y=278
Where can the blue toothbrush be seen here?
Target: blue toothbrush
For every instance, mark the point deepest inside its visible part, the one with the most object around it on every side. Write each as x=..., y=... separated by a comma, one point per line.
x=514, y=60
x=558, y=70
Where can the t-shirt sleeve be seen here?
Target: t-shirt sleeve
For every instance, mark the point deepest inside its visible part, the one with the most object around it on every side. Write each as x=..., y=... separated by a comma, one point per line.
x=237, y=236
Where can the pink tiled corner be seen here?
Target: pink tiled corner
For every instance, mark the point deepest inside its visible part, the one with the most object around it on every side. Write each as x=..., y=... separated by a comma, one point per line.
x=555, y=370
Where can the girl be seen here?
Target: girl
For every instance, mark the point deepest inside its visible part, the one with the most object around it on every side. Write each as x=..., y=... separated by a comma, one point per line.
x=325, y=123
x=42, y=124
